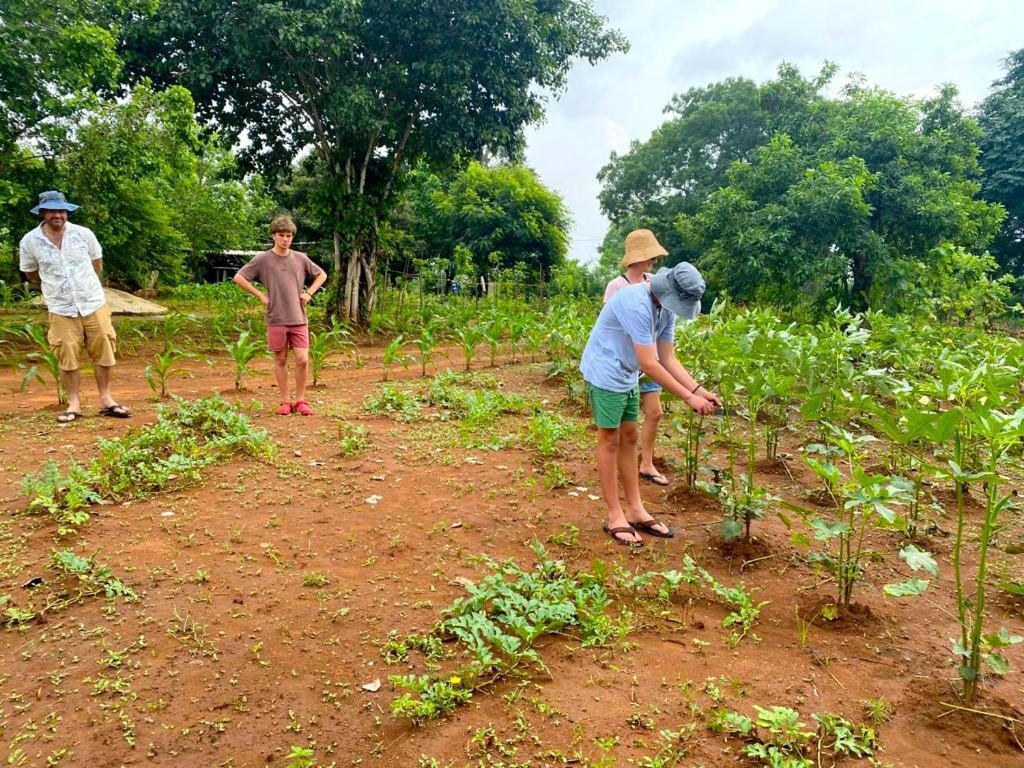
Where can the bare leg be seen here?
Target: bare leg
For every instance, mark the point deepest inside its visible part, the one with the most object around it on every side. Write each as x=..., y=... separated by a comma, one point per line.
x=608, y=461
x=281, y=373
x=650, y=404
x=71, y=381
x=301, y=360
x=102, y=374
x=635, y=511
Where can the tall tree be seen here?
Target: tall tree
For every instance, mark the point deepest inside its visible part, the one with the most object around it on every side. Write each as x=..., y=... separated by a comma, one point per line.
x=53, y=57
x=684, y=161
x=503, y=215
x=371, y=86
x=152, y=190
x=1001, y=117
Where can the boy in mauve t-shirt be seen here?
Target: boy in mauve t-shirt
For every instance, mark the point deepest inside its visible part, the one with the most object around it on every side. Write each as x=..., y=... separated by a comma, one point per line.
x=283, y=272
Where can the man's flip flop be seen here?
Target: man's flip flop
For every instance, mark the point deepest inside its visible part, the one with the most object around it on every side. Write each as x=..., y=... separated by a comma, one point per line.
x=647, y=526
x=655, y=477
x=613, y=532
x=116, y=411
x=68, y=416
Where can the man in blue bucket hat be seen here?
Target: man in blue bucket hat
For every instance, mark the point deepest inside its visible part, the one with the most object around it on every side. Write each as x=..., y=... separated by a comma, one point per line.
x=65, y=261
x=634, y=333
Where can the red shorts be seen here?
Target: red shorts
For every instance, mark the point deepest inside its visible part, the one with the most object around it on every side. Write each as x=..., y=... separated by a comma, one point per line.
x=280, y=337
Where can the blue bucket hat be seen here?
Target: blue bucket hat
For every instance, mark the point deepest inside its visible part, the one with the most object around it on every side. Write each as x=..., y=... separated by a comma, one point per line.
x=53, y=201
x=679, y=289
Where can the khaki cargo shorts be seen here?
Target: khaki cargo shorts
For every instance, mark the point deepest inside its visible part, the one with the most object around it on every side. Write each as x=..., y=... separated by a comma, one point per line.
x=95, y=332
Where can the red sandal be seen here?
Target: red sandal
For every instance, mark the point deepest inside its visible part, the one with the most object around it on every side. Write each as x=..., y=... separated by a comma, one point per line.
x=303, y=407
x=284, y=410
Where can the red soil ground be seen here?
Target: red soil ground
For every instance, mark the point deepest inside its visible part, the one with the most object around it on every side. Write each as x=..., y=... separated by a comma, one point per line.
x=240, y=660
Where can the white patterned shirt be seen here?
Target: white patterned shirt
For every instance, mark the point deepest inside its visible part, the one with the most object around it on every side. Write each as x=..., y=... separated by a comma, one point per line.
x=71, y=286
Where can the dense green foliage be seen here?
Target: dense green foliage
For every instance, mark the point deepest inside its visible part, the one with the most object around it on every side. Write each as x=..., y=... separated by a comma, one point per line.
x=1002, y=155
x=782, y=193
x=53, y=59
x=153, y=192
x=405, y=81
x=486, y=220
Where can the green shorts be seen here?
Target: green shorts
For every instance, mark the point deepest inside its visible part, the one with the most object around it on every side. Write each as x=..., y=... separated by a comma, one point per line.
x=610, y=409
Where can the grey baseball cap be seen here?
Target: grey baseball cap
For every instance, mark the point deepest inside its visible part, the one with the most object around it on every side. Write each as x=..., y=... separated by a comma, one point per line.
x=679, y=289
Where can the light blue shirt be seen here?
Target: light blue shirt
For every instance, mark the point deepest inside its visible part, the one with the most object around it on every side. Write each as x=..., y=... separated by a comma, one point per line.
x=630, y=317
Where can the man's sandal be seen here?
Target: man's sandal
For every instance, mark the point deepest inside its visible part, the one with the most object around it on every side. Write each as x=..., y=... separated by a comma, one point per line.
x=647, y=526
x=116, y=411
x=68, y=416
x=614, y=533
x=655, y=477
x=284, y=409
x=303, y=408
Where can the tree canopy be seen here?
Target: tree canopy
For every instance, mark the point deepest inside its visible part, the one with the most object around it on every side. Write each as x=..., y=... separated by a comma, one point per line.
x=1001, y=117
x=371, y=86
x=806, y=196
x=502, y=216
x=153, y=191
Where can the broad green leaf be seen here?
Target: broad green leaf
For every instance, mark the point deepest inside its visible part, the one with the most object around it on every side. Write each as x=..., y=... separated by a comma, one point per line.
x=1002, y=638
x=997, y=663
x=828, y=529
x=909, y=588
x=730, y=529
x=918, y=559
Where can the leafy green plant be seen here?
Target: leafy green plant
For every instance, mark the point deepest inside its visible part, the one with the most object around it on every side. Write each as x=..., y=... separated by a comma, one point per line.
x=393, y=354
x=352, y=438
x=66, y=497
x=40, y=358
x=75, y=578
x=243, y=351
x=426, y=344
x=741, y=508
x=545, y=430
x=865, y=501
x=163, y=368
x=176, y=448
x=399, y=404
x=469, y=338
x=998, y=433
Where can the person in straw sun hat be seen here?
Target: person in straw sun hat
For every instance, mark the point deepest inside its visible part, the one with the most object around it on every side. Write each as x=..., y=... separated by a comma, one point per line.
x=642, y=251
x=634, y=333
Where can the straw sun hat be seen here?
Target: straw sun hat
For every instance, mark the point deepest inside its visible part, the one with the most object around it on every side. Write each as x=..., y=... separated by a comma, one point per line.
x=641, y=245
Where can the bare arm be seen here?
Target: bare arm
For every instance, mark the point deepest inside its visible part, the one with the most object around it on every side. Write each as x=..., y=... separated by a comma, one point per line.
x=97, y=267
x=647, y=356
x=251, y=289
x=307, y=294
x=667, y=354
x=33, y=278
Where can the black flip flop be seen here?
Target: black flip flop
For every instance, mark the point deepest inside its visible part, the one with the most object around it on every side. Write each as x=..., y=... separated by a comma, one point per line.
x=647, y=526
x=116, y=411
x=621, y=529
x=655, y=478
x=69, y=416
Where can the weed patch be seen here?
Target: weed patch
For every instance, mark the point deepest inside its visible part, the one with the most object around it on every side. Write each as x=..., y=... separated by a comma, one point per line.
x=184, y=441
x=497, y=626
x=74, y=579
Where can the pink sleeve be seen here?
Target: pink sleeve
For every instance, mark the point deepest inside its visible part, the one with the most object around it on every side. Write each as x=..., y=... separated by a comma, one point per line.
x=614, y=286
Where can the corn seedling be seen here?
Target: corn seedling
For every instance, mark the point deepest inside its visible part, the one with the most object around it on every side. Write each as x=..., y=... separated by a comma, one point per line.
x=243, y=351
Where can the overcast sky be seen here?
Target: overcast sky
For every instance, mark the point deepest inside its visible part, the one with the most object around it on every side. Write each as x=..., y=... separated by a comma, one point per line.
x=906, y=46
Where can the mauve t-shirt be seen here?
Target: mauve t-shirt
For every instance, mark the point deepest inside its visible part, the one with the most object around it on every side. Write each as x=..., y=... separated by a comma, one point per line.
x=284, y=277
